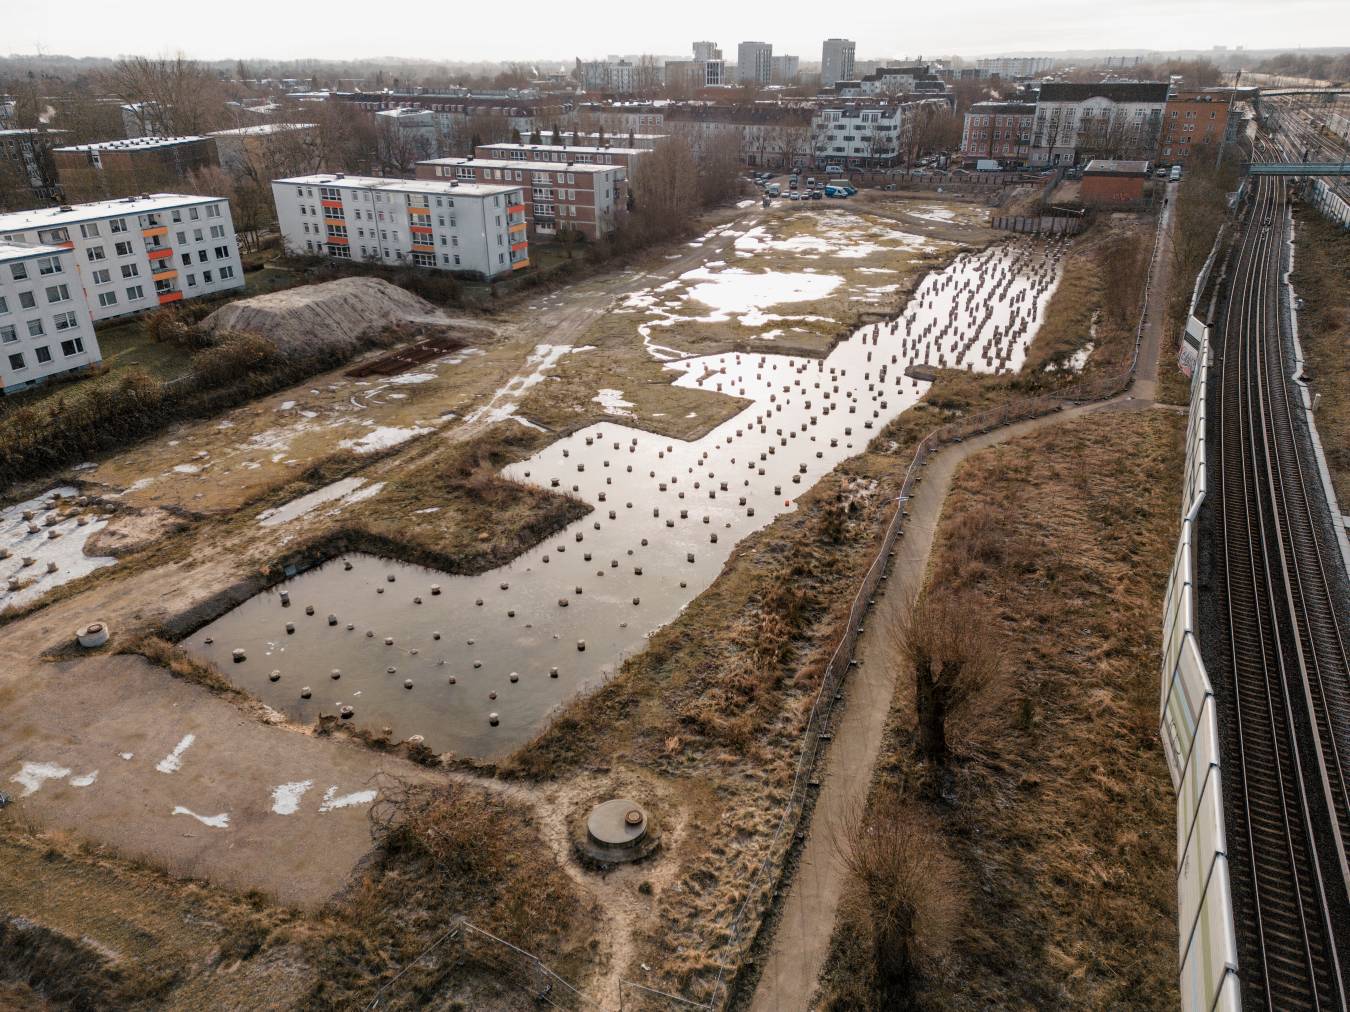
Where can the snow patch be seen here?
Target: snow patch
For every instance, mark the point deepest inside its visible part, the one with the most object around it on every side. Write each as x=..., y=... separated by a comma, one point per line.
x=32, y=776
x=172, y=762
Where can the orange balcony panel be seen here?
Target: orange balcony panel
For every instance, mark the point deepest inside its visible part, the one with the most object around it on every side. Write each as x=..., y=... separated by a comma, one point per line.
x=150, y=233
x=165, y=275
x=330, y=203
x=420, y=211
x=519, y=245
x=519, y=264
x=427, y=248
x=516, y=209
x=168, y=297
x=336, y=240
x=518, y=226
x=339, y=222
x=66, y=245
x=157, y=254
x=420, y=229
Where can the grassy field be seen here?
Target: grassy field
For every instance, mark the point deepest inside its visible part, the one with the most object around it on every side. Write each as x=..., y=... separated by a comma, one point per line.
x=1322, y=280
x=1055, y=832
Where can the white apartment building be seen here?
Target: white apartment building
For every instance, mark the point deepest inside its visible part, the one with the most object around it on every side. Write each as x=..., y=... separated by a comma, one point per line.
x=45, y=326
x=1115, y=120
x=578, y=154
x=836, y=61
x=445, y=224
x=754, y=62
x=864, y=136
x=140, y=252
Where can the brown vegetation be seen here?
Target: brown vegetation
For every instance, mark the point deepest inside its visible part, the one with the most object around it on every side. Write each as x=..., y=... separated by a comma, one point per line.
x=1058, y=816
x=1322, y=280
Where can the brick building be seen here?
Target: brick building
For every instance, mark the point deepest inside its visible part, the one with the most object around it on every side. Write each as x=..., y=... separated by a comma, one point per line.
x=627, y=158
x=109, y=169
x=558, y=197
x=999, y=130
x=1196, y=119
x=1109, y=182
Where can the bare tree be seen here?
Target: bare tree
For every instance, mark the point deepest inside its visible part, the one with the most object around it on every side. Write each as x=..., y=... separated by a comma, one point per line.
x=957, y=668
x=719, y=174
x=177, y=97
x=665, y=188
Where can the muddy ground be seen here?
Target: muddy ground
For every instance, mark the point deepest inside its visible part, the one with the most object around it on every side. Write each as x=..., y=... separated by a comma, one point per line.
x=713, y=752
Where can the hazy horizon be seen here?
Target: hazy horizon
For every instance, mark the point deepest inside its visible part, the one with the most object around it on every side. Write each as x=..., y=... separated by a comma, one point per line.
x=346, y=30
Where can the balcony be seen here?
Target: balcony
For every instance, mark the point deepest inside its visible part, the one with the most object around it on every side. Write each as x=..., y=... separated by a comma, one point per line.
x=155, y=230
x=519, y=264
x=167, y=274
x=166, y=297
x=331, y=203
x=517, y=226
x=420, y=211
x=420, y=229
x=519, y=245
x=515, y=209
x=159, y=252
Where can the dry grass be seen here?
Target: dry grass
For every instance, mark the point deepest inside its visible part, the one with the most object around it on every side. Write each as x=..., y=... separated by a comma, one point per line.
x=1061, y=827
x=1322, y=279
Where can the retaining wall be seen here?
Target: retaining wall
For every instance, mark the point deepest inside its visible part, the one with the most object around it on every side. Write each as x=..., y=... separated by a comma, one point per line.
x=1042, y=223
x=1190, y=735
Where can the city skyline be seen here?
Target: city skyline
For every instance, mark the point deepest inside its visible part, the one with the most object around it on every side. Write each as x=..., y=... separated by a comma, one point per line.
x=86, y=28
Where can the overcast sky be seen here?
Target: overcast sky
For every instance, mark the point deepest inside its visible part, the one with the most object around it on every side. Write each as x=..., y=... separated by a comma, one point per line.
x=435, y=29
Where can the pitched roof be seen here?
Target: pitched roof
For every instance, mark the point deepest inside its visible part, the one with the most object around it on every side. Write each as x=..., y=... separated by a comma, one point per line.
x=1135, y=91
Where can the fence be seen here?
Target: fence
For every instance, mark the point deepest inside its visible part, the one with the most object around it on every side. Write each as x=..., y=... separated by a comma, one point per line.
x=1043, y=224
x=1190, y=734
x=764, y=882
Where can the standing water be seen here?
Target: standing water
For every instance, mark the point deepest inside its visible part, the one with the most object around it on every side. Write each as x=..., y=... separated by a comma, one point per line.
x=476, y=664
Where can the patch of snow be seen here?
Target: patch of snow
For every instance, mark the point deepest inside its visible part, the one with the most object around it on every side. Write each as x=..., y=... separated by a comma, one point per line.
x=32, y=776
x=286, y=797
x=66, y=550
x=84, y=780
x=381, y=437
x=221, y=821
x=305, y=503
x=172, y=762
x=612, y=402
x=331, y=800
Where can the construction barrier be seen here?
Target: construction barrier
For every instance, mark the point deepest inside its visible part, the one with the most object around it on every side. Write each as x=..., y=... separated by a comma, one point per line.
x=1189, y=730
x=1042, y=224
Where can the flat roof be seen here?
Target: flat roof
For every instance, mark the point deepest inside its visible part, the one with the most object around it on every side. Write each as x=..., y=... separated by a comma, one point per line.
x=131, y=144
x=55, y=217
x=20, y=250
x=1114, y=167
x=515, y=163
x=446, y=187
x=262, y=128
x=587, y=149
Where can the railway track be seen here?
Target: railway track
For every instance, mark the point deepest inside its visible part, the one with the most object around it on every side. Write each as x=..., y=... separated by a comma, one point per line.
x=1288, y=809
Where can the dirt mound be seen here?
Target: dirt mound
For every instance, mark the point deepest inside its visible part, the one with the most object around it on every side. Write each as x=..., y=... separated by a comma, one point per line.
x=334, y=315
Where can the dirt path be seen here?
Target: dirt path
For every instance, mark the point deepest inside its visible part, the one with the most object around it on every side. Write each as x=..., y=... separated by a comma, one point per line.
x=802, y=936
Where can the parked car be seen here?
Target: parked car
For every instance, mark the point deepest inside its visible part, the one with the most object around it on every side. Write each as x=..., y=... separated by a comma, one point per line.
x=1162, y=172
x=810, y=180
x=1176, y=173
x=815, y=194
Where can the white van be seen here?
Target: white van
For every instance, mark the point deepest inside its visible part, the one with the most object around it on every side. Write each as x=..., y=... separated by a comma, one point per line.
x=1176, y=173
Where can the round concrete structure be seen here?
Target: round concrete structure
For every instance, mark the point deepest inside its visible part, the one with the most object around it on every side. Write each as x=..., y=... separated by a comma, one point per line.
x=619, y=824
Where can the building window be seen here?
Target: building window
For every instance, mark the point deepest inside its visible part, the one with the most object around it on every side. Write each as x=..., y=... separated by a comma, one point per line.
x=49, y=265
x=89, y=230
x=44, y=354
x=95, y=253
x=74, y=346
x=226, y=273
x=107, y=299
x=8, y=335
x=35, y=328
x=135, y=292
x=66, y=321
x=19, y=272
x=131, y=270
x=4, y=305
x=16, y=362
x=123, y=249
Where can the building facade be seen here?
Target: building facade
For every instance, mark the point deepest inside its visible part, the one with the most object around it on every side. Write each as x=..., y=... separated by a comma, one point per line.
x=784, y=69
x=119, y=168
x=754, y=63
x=1113, y=183
x=141, y=252
x=441, y=224
x=558, y=197
x=1010, y=67
x=1195, y=120
x=836, y=61
x=1079, y=122
x=27, y=170
x=864, y=136
x=1000, y=130
x=246, y=147
x=45, y=325
x=767, y=136
x=626, y=158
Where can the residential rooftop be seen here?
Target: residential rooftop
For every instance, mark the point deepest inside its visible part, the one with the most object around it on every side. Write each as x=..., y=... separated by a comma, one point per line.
x=585, y=149
x=73, y=214
x=132, y=144
x=262, y=129
x=448, y=186
x=515, y=163
x=23, y=250
x=1115, y=167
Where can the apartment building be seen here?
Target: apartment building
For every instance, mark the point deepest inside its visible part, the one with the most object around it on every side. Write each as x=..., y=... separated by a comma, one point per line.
x=1112, y=120
x=685, y=77
x=140, y=252
x=784, y=69
x=918, y=79
x=1010, y=67
x=836, y=61
x=626, y=158
x=109, y=169
x=1000, y=130
x=459, y=116
x=754, y=62
x=864, y=136
x=45, y=325
x=768, y=136
x=27, y=173
x=265, y=144
x=579, y=197
x=1195, y=120
x=462, y=227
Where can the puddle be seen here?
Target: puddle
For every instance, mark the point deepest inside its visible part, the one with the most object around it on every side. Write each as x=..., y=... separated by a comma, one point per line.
x=520, y=640
x=56, y=511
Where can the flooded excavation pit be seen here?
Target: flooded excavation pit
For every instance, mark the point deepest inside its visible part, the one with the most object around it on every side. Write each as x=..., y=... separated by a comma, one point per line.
x=477, y=664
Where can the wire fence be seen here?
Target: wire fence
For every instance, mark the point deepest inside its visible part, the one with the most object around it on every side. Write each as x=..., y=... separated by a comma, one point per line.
x=552, y=989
